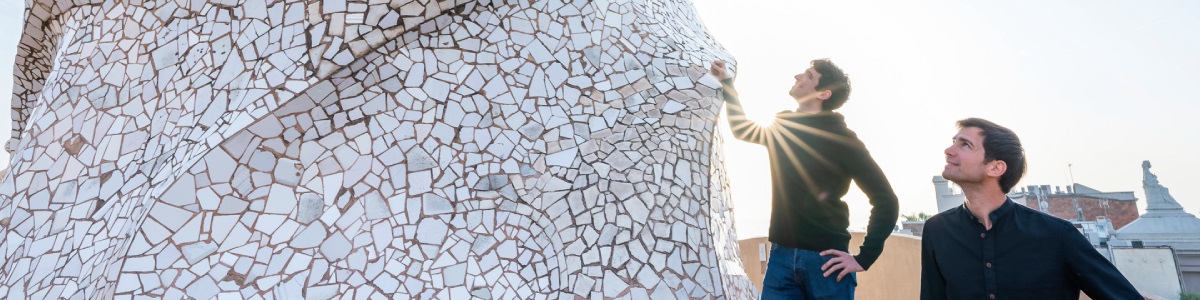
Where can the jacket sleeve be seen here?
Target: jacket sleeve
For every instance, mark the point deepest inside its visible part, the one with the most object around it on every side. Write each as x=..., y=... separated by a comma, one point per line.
x=885, y=209
x=743, y=128
x=1094, y=274
x=933, y=283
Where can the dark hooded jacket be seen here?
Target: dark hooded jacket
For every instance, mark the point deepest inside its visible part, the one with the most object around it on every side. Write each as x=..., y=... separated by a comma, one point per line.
x=813, y=158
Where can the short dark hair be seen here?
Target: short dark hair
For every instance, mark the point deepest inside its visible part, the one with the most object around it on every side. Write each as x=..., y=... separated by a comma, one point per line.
x=1000, y=143
x=834, y=80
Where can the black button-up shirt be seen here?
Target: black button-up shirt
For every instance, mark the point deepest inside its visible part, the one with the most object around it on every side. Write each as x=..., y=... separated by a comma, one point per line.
x=1026, y=255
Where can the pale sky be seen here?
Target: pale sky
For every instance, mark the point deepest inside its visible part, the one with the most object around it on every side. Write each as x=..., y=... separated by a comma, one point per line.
x=12, y=17
x=1101, y=85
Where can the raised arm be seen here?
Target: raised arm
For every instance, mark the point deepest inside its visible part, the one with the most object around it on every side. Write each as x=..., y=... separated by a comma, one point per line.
x=743, y=128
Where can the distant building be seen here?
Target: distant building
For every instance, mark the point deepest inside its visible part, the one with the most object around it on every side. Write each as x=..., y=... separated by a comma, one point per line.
x=1165, y=223
x=1097, y=214
x=915, y=228
x=1154, y=271
x=948, y=194
x=1080, y=203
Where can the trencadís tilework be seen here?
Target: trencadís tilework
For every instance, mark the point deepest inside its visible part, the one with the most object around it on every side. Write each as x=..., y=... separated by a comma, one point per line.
x=366, y=150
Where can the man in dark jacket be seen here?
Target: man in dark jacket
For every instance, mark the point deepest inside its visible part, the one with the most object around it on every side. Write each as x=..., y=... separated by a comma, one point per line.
x=813, y=158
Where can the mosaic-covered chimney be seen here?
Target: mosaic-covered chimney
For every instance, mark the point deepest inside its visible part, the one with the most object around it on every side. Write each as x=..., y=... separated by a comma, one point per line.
x=366, y=149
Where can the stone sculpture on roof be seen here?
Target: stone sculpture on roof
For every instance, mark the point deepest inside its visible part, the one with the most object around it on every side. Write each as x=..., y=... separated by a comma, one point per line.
x=366, y=149
x=1164, y=220
x=1158, y=197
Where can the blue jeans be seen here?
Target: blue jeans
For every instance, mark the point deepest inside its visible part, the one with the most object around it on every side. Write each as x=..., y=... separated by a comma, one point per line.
x=796, y=274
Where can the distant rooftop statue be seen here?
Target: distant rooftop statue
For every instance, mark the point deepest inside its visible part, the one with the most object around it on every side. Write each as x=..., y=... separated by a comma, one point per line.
x=1158, y=197
x=1164, y=220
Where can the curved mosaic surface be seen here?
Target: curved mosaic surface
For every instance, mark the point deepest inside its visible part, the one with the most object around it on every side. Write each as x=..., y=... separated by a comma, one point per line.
x=366, y=149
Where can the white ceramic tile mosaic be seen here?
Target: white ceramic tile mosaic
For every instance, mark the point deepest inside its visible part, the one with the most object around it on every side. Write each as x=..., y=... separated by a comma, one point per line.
x=357, y=149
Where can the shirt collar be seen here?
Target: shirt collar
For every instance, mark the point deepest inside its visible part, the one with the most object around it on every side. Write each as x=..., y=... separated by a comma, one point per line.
x=1000, y=212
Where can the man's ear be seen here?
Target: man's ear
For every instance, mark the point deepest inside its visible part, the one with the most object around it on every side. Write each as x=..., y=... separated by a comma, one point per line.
x=996, y=168
x=824, y=95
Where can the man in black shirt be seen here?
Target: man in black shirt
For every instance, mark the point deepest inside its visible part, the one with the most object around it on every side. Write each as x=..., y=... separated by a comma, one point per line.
x=813, y=158
x=993, y=248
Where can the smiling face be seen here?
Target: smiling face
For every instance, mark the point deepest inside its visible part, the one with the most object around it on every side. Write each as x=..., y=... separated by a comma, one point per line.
x=805, y=88
x=966, y=161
